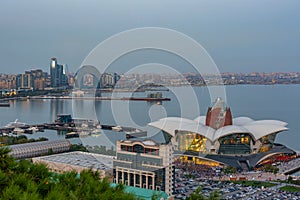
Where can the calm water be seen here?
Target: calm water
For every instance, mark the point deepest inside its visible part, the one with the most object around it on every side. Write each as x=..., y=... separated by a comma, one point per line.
x=258, y=102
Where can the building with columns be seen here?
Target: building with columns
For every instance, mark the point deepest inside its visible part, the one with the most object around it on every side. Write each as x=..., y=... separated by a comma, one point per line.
x=145, y=163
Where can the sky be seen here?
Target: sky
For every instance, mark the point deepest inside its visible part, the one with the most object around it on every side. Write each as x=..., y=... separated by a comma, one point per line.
x=240, y=36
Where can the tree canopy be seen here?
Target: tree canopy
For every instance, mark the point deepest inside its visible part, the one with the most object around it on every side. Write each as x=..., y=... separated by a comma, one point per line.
x=25, y=180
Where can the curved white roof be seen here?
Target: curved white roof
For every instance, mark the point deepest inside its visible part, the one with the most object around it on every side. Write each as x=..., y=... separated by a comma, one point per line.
x=257, y=129
x=201, y=119
x=240, y=121
x=260, y=130
x=269, y=122
x=169, y=125
x=228, y=130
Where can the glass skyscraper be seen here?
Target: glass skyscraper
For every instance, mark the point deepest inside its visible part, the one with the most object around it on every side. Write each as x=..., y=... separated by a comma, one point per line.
x=58, y=74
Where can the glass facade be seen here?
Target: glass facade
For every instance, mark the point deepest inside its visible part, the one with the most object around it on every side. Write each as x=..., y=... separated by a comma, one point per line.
x=267, y=142
x=199, y=161
x=238, y=143
x=189, y=141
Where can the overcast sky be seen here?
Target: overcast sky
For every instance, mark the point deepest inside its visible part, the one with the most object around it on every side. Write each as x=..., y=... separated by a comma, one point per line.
x=240, y=35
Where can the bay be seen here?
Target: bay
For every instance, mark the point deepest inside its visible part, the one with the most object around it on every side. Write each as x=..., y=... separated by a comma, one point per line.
x=280, y=102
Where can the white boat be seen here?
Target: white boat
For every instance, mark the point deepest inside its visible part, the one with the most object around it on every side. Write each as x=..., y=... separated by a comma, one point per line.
x=18, y=130
x=96, y=132
x=15, y=124
x=33, y=129
x=78, y=93
x=117, y=128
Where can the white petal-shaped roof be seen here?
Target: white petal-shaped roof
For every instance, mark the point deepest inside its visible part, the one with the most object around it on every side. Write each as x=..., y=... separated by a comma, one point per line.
x=268, y=122
x=240, y=121
x=260, y=130
x=256, y=129
x=228, y=130
x=201, y=119
x=170, y=124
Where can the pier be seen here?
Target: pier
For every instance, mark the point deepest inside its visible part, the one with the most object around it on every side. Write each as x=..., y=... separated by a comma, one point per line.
x=102, y=98
x=65, y=122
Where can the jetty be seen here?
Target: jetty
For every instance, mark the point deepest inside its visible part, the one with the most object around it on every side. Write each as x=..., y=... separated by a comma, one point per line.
x=65, y=122
x=101, y=98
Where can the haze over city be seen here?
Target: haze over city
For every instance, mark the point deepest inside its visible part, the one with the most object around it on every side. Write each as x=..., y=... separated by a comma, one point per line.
x=150, y=99
x=241, y=36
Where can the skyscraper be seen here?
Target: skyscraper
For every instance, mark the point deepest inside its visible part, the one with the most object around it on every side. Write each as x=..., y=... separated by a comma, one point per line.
x=58, y=74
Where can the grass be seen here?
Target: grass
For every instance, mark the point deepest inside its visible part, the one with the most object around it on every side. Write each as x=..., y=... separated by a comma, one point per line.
x=290, y=189
x=254, y=183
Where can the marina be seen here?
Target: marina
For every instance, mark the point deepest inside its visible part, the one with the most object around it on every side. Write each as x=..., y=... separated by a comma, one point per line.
x=103, y=98
x=74, y=128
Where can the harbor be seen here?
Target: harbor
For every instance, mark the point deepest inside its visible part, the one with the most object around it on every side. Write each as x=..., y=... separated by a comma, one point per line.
x=102, y=98
x=72, y=127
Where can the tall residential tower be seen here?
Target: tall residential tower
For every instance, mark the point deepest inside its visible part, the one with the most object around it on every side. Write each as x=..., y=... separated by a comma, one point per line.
x=58, y=74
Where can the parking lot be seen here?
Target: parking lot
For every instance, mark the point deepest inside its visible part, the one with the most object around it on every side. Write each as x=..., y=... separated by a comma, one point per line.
x=229, y=190
x=188, y=180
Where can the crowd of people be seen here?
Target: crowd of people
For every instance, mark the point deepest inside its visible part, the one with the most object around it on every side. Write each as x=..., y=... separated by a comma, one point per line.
x=292, y=164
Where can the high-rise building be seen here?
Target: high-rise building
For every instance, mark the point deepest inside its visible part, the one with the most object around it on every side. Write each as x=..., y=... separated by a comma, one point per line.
x=109, y=79
x=58, y=74
x=145, y=163
x=23, y=81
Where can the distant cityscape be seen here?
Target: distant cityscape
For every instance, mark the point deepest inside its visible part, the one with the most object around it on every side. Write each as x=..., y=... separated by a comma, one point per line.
x=59, y=78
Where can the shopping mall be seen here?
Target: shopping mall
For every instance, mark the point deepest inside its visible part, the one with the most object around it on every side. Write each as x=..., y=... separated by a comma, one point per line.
x=218, y=139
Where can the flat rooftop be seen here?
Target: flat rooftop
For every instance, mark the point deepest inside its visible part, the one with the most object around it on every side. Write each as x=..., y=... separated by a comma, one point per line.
x=82, y=159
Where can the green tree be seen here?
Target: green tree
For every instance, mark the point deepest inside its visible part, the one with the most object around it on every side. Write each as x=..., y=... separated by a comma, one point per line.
x=25, y=180
x=196, y=195
x=6, y=161
x=214, y=196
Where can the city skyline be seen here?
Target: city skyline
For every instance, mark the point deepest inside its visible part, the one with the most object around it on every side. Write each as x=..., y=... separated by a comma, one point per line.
x=237, y=39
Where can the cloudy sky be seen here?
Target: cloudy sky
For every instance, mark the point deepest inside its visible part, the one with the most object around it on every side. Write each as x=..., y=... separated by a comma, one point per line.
x=241, y=36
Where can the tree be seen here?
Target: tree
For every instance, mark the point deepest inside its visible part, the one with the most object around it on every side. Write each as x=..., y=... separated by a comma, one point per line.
x=197, y=195
x=6, y=161
x=25, y=180
x=270, y=168
x=229, y=170
x=214, y=196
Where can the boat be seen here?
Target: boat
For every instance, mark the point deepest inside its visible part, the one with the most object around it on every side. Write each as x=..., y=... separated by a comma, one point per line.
x=72, y=135
x=116, y=128
x=18, y=130
x=83, y=134
x=15, y=124
x=33, y=129
x=78, y=93
x=96, y=132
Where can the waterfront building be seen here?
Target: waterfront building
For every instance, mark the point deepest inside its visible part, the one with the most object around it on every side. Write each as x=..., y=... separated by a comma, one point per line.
x=217, y=139
x=77, y=161
x=39, y=79
x=34, y=149
x=109, y=79
x=145, y=163
x=33, y=79
x=58, y=74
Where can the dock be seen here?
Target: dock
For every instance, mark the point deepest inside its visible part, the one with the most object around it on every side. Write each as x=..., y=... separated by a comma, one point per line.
x=76, y=126
x=4, y=105
x=102, y=98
